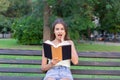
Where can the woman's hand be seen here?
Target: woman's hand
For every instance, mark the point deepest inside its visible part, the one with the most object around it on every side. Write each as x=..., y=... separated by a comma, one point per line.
x=62, y=38
x=54, y=61
x=46, y=66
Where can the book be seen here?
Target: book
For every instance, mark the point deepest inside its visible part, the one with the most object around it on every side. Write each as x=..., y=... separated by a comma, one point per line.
x=62, y=52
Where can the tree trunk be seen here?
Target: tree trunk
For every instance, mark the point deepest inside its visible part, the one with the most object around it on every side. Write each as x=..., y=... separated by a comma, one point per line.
x=46, y=28
x=89, y=32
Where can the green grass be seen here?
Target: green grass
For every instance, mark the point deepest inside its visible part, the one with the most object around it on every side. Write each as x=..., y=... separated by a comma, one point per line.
x=97, y=47
x=12, y=44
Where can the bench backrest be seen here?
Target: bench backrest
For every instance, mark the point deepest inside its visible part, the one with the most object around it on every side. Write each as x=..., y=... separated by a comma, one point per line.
x=25, y=65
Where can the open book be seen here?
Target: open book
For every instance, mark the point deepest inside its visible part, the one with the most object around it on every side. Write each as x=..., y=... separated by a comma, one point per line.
x=61, y=52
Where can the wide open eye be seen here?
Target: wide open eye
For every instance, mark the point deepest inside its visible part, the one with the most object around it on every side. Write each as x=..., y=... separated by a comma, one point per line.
x=62, y=29
x=56, y=28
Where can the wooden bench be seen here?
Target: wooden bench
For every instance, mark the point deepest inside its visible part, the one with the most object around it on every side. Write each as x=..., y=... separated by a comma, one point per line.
x=12, y=60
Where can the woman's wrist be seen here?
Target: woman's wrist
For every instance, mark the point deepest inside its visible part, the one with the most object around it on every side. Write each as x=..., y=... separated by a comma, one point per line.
x=51, y=64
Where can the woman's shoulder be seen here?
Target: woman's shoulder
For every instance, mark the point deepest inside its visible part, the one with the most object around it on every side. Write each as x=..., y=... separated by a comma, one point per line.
x=70, y=41
x=47, y=41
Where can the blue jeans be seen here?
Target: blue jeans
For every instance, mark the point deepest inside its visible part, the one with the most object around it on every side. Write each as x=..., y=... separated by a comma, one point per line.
x=59, y=72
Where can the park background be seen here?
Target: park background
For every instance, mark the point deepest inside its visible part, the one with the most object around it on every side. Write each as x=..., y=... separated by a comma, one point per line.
x=94, y=25
x=29, y=21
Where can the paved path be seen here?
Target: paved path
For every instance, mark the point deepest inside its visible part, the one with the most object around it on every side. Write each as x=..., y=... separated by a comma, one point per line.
x=107, y=43
x=101, y=42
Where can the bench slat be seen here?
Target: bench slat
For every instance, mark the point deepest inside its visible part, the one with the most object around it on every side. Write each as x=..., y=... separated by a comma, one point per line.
x=19, y=78
x=96, y=63
x=20, y=70
x=14, y=61
x=93, y=79
x=81, y=54
x=40, y=78
x=96, y=72
x=20, y=52
x=100, y=54
x=81, y=63
x=74, y=71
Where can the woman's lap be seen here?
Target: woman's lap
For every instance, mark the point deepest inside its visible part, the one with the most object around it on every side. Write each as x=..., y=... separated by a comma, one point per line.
x=58, y=73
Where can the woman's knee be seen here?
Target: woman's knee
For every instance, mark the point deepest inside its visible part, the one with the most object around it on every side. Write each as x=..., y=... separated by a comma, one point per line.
x=65, y=79
x=50, y=78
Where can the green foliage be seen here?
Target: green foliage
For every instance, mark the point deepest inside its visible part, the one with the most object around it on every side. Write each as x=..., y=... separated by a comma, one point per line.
x=4, y=4
x=29, y=29
x=5, y=23
x=27, y=17
x=10, y=9
x=81, y=20
x=17, y=8
x=109, y=13
x=75, y=35
x=76, y=13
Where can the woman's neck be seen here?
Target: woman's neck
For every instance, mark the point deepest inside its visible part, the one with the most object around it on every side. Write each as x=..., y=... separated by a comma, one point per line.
x=56, y=41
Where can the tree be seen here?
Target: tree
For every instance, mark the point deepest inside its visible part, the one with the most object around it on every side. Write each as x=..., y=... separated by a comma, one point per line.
x=109, y=13
x=17, y=8
x=46, y=27
x=4, y=4
x=4, y=22
x=76, y=13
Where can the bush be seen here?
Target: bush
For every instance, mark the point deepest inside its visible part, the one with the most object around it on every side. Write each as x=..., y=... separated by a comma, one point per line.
x=28, y=30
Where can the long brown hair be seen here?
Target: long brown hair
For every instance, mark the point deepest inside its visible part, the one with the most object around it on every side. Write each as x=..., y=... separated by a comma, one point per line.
x=59, y=21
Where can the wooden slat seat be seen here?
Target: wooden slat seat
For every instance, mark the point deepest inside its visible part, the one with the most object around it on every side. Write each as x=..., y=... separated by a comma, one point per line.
x=93, y=79
x=20, y=52
x=20, y=70
x=81, y=63
x=100, y=54
x=30, y=62
x=39, y=78
x=19, y=78
x=96, y=72
x=96, y=63
x=76, y=70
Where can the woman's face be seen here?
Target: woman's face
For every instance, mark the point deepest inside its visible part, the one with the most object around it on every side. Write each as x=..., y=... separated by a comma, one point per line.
x=59, y=31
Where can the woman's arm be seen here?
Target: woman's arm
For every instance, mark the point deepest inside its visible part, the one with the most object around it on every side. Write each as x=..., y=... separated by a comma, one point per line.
x=44, y=65
x=74, y=54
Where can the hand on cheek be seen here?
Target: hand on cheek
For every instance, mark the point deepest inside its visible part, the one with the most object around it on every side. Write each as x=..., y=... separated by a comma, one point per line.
x=62, y=38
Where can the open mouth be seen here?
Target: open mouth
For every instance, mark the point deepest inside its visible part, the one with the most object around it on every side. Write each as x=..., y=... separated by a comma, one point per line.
x=59, y=35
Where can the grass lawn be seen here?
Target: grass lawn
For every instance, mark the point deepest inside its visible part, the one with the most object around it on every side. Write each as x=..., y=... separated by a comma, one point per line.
x=12, y=44
x=97, y=47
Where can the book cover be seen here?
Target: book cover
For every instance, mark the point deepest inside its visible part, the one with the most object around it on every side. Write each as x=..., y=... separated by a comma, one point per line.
x=62, y=52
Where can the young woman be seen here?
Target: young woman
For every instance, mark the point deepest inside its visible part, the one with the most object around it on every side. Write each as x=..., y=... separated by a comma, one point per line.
x=59, y=69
